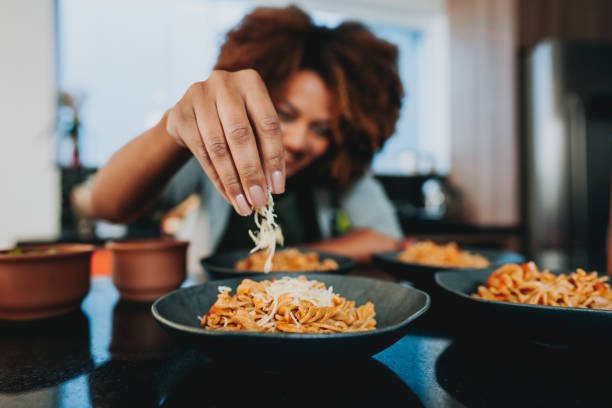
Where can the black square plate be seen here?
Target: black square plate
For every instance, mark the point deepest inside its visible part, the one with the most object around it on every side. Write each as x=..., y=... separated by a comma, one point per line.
x=396, y=308
x=547, y=325
x=422, y=275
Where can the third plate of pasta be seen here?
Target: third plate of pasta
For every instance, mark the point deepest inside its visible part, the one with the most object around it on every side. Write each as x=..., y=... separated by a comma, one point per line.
x=527, y=302
x=420, y=261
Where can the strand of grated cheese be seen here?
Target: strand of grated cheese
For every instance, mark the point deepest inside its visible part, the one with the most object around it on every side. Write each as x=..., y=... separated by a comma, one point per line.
x=298, y=290
x=269, y=233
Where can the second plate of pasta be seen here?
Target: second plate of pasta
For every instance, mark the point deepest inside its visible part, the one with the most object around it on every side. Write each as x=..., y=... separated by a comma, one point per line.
x=242, y=263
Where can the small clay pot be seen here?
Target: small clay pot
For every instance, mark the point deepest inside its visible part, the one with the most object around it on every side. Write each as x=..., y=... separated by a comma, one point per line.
x=43, y=280
x=144, y=270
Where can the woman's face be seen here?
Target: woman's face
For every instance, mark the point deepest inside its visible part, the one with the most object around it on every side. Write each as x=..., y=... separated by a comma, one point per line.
x=304, y=108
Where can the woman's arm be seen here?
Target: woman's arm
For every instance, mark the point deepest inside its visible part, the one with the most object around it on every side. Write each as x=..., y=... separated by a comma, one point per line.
x=359, y=244
x=227, y=122
x=136, y=175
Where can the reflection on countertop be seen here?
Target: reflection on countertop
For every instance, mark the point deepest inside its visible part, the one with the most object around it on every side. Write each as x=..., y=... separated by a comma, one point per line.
x=43, y=353
x=503, y=373
x=362, y=382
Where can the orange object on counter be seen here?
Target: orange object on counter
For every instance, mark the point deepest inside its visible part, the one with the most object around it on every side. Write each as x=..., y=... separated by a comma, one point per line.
x=101, y=263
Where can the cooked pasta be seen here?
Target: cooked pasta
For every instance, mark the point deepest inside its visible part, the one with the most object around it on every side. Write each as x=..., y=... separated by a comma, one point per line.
x=287, y=260
x=449, y=255
x=291, y=305
x=526, y=284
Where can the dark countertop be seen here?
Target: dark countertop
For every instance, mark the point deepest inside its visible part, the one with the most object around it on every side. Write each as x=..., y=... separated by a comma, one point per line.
x=112, y=353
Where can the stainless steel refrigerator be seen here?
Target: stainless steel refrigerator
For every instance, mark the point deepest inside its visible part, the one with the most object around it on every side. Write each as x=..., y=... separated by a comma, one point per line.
x=567, y=152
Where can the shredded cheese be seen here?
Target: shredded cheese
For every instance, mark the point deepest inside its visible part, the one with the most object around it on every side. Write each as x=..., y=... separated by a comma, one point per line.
x=299, y=291
x=269, y=233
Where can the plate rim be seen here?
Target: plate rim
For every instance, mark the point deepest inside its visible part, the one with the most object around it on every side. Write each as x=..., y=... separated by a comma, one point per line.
x=279, y=335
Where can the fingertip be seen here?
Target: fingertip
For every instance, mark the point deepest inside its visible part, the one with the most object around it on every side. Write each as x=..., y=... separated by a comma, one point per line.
x=242, y=206
x=278, y=182
x=258, y=196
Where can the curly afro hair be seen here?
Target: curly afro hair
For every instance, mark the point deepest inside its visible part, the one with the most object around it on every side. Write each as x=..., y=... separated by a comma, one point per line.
x=359, y=69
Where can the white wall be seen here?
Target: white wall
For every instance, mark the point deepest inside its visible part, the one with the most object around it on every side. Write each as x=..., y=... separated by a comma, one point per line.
x=29, y=180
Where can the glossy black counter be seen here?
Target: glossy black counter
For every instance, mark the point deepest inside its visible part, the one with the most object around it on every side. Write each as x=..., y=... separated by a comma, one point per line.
x=112, y=354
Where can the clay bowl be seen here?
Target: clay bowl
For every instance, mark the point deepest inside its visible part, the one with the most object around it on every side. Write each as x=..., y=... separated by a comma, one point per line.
x=146, y=269
x=43, y=280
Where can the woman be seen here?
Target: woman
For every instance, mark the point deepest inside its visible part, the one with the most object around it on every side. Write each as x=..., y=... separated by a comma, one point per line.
x=290, y=108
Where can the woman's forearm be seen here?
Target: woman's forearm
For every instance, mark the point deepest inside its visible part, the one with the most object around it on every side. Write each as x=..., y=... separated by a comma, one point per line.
x=359, y=244
x=134, y=176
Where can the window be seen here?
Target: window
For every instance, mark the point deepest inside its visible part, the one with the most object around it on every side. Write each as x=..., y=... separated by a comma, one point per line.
x=126, y=62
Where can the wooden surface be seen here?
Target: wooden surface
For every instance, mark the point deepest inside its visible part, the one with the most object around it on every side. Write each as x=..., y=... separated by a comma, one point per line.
x=565, y=19
x=485, y=39
x=483, y=109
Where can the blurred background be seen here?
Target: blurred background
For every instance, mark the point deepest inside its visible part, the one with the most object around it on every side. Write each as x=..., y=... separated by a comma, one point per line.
x=504, y=140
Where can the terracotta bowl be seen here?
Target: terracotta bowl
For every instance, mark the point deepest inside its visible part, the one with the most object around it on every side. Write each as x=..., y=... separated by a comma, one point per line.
x=43, y=280
x=144, y=270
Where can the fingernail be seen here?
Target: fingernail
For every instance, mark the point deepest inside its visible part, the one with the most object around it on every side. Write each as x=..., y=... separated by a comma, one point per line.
x=278, y=182
x=258, y=197
x=241, y=205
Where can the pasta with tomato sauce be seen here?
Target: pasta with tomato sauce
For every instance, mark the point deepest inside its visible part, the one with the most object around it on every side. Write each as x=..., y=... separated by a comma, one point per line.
x=448, y=255
x=290, y=305
x=524, y=283
x=287, y=260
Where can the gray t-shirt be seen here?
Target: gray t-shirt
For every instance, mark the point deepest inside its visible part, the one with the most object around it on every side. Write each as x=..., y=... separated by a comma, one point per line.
x=365, y=204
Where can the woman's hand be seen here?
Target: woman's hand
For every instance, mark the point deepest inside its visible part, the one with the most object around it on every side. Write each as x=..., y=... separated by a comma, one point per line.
x=229, y=124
